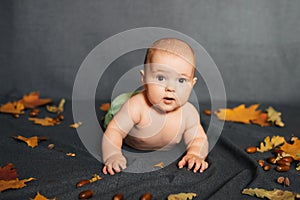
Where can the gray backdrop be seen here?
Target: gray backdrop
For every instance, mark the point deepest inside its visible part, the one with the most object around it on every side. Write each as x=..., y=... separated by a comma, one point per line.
x=254, y=43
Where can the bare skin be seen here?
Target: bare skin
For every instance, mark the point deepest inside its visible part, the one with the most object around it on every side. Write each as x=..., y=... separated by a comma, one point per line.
x=159, y=117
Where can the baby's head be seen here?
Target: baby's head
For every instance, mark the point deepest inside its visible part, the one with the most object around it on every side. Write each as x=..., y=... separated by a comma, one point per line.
x=168, y=74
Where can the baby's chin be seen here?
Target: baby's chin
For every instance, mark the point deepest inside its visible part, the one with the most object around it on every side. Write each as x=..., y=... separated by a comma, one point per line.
x=165, y=108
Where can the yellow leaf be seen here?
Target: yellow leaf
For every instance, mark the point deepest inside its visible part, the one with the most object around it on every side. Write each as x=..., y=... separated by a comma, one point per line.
x=269, y=144
x=57, y=109
x=239, y=114
x=274, y=117
x=41, y=197
x=105, y=107
x=12, y=108
x=13, y=184
x=292, y=149
x=32, y=141
x=182, y=196
x=47, y=121
x=273, y=194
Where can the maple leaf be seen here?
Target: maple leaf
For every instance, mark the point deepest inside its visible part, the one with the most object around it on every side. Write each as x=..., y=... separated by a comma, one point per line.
x=32, y=141
x=273, y=194
x=8, y=172
x=274, y=116
x=292, y=149
x=239, y=114
x=33, y=100
x=47, y=121
x=12, y=108
x=269, y=144
x=105, y=107
x=41, y=197
x=182, y=196
x=13, y=184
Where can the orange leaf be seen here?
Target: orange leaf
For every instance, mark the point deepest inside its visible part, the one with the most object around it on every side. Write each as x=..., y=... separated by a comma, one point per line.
x=292, y=149
x=40, y=197
x=32, y=141
x=13, y=184
x=262, y=120
x=239, y=114
x=8, y=172
x=47, y=121
x=105, y=107
x=12, y=108
x=33, y=100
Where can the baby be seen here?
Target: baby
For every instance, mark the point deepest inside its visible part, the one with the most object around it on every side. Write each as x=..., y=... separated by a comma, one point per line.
x=159, y=117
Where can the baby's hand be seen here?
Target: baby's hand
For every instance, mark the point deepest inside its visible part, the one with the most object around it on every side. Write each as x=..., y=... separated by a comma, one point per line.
x=193, y=161
x=114, y=164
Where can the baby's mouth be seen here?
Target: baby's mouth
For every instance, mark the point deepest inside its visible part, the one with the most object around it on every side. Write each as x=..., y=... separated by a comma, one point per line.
x=168, y=100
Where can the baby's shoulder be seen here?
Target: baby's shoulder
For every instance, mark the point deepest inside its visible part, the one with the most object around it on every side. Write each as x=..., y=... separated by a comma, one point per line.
x=190, y=113
x=137, y=103
x=189, y=108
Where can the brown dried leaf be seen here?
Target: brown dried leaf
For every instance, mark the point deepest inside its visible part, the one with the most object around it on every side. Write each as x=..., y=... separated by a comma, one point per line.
x=182, y=196
x=33, y=100
x=292, y=149
x=269, y=144
x=47, y=121
x=12, y=108
x=262, y=120
x=41, y=197
x=273, y=194
x=8, y=172
x=32, y=141
x=13, y=184
x=239, y=114
x=105, y=107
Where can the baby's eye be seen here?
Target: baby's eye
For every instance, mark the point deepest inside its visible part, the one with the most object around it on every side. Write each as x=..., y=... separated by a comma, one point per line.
x=182, y=80
x=160, y=77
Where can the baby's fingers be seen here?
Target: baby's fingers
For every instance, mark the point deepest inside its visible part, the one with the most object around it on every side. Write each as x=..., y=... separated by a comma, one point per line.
x=182, y=163
x=197, y=166
x=104, y=170
x=191, y=163
x=204, y=166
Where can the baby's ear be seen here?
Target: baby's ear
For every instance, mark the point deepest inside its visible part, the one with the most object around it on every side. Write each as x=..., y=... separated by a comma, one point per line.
x=142, y=76
x=194, y=80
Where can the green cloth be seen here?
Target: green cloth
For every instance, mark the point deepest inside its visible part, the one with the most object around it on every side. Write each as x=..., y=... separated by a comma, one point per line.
x=116, y=105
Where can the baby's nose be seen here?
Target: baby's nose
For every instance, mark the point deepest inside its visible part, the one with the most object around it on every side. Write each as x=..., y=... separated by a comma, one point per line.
x=170, y=87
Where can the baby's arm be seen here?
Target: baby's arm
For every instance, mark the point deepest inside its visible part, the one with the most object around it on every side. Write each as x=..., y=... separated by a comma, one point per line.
x=113, y=137
x=197, y=144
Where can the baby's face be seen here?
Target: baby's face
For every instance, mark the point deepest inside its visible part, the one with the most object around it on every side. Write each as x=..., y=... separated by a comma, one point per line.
x=169, y=80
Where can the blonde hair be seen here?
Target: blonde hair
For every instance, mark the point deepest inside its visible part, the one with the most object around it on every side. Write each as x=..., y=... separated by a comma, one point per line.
x=173, y=46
